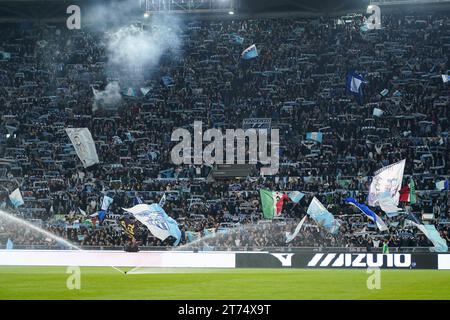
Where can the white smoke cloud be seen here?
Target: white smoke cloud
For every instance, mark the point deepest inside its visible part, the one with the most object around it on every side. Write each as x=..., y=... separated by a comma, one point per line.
x=133, y=47
x=109, y=98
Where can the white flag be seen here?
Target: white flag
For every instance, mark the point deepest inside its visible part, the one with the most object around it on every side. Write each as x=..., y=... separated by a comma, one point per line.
x=106, y=202
x=290, y=237
x=387, y=179
x=377, y=112
x=84, y=145
x=16, y=198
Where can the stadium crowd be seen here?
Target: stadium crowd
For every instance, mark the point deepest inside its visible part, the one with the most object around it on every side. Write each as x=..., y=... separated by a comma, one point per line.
x=298, y=81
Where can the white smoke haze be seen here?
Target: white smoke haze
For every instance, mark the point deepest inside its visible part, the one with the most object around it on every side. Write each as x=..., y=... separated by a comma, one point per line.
x=133, y=45
x=134, y=48
x=109, y=98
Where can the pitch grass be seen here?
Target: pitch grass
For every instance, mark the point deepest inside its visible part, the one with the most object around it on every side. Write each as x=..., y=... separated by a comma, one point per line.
x=227, y=284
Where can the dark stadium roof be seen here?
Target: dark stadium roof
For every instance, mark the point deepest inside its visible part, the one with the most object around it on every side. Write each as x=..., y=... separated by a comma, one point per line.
x=50, y=9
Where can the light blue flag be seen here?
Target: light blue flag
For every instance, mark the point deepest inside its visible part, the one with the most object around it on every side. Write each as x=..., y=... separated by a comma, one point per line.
x=250, y=53
x=168, y=173
x=322, y=216
x=316, y=136
x=237, y=39
x=16, y=198
x=130, y=92
x=445, y=78
x=440, y=245
x=157, y=221
x=9, y=245
x=191, y=236
x=296, y=196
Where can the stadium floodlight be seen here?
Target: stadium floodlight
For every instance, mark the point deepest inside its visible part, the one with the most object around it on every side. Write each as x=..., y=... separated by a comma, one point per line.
x=230, y=12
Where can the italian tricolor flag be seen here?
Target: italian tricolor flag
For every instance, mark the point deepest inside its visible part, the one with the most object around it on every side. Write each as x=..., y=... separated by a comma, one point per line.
x=272, y=203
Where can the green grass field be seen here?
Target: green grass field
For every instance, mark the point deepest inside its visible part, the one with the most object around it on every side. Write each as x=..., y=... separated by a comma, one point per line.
x=203, y=284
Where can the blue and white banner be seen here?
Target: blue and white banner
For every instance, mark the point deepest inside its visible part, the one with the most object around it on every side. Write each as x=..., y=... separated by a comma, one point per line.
x=445, y=78
x=157, y=221
x=16, y=198
x=289, y=236
x=387, y=179
x=322, y=216
x=250, y=53
x=369, y=213
x=442, y=185
x=316, y=136
x=354, y=84
x=84, y=145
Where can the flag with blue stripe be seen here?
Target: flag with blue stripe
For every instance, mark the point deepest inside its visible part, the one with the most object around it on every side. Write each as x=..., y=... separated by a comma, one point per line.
x=369, y=213
x=250, y=53
x=445, y=78
x=442, y=185
x=354, y=82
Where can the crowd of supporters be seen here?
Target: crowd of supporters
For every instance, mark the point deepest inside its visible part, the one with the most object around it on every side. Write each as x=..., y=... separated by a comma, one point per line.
x=298, y=81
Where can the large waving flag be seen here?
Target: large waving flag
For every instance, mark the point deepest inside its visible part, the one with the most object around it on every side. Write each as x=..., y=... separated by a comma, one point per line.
x=16, y=198
x=440, y=244
x=84, y=145
x=369, y=213
x=387, y=203
x=272, y=203
x=322, y=216
x=289, y=236
x=354, y=82
x=387, y=179
x=157, y=221
x=250, y=53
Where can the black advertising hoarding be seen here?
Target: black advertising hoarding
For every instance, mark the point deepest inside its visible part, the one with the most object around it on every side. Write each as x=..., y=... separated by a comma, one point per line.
x=337, y=260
